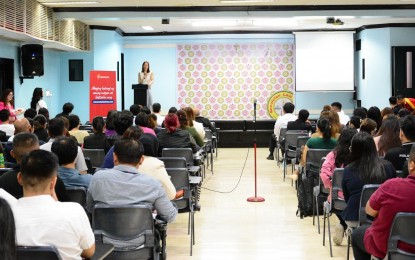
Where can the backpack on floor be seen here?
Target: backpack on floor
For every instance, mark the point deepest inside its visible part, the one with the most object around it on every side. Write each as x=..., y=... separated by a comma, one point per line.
x=305, y=196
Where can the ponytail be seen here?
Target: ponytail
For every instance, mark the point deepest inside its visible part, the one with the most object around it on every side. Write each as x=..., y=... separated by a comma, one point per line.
x=325, y=128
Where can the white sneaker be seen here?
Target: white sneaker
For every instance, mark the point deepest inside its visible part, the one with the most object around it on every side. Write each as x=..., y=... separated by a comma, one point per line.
x=338, y=235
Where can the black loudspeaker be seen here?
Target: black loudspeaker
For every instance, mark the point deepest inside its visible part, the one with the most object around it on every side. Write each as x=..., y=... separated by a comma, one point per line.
x=32, y=60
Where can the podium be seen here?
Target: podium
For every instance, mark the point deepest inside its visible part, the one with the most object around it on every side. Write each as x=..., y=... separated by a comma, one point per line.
x=140, y=94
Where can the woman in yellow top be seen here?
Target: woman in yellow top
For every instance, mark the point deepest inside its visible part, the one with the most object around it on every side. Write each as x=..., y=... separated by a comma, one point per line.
x=147, y=77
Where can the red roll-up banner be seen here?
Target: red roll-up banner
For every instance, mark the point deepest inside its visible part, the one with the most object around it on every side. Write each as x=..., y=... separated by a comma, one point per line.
x=102, y=93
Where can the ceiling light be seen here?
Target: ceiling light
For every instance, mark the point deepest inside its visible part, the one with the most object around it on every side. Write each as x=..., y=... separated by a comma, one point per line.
x=71, y=3
x=147, y=28
x=214, y=23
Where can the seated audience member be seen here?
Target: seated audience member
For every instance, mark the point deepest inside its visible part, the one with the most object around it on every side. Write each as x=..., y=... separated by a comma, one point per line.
x=375, y=114
x=287, y=116
x=66, y=149
x=301, y=123
x=74, y=124
x=338, y=158
x=365, y=167
x=335, y=125
x=322, y=140
x=98, y=139
x=41, y=220
x=337, y=107
x=171, y=110
x=44, y=111
x=184, y=125
x=398, y=155
x=122, y=121
x=109, y=123
x=152, y=123
x=21, y=125
x=125, y=185
x=66, y=110
x=150, y=165
x=204, y=120
x=5, y=124
x=355, y=122
x=141, y=120
x=385, y=112
x=156, y=111
x=406, y=103
x=40, y=128
x=326, y=108
x=7, y=231
x=135, y=109
x=388, y=135
x=174, y=137
x=403, y=113
x=369, y=126
x=145, y=110
x=56, y=128
x=24, y=143
x=191, y=118
x=30, y=113
x=393, y=102
x=393, y=196
x=360, y=112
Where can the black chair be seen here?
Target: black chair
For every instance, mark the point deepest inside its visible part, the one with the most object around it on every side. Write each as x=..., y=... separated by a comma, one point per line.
x=130, y=228
x=208, y=147
x=318, y=191
x=174, y=162
x=279, y=145
x=337, y=203
x=77, y=194
x=364, y=219
x=301, y=141
x=37, y=253
x=290, y=144
x=186, y=153
x=187, y=203
x=96, y=156
x=403, y=229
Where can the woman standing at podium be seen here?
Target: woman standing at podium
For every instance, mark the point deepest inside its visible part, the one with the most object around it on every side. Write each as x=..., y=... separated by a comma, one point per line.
x=147, y=77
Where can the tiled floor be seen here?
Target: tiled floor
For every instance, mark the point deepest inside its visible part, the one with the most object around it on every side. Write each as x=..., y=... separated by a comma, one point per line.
x=229, y=227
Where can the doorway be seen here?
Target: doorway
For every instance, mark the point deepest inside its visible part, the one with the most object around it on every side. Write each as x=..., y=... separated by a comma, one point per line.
x=403, y=71
x=6, y=74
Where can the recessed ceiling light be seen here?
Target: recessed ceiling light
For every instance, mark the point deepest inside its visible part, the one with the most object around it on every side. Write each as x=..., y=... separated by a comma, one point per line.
x=147, y=28
x=71, y=3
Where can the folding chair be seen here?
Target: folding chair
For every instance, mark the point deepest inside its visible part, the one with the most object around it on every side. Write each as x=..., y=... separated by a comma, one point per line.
x=174, y=162
x=37, y=253
x=188, y=203
x=130, y=228
x=77, y=194
x=364, y=219
x=278, y=147
x=96, y=156
x=317, y=190
x=290, y=148
x=186, y=153
x=337, y=203
x=209, y=148
x=403, y=229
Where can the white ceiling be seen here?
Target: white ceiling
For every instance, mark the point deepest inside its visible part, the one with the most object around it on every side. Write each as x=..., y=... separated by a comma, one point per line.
x=280, y=15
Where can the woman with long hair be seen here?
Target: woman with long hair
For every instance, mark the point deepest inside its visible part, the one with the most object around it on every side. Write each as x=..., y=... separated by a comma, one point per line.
x=174, y=137
x=322, y=139
x=184, y=124
x=98, y=139
x=338, y=158
x=335, y=126
x=109, y=123
x=365, y=167
x=37, y=101
x=374, y=114
x=388, y=135
x=146, y=76
x=141, y=119
x=40, y=124
x=7, y=102
x=192, y=121
x=7, y=232
x=369, y=126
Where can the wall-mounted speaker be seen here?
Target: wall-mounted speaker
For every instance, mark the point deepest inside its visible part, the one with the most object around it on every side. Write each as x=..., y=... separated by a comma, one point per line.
x=32, y=60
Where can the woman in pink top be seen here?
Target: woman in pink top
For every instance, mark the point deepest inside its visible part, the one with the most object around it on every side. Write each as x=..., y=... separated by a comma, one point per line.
x=338, y=158
x=141, y=119
x=6, y=102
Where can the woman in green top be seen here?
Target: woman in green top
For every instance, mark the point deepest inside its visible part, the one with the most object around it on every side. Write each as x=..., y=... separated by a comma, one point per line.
x=322, y=140
x=184, y=124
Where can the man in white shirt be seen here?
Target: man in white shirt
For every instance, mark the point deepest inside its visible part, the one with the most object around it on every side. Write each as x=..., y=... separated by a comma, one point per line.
x=42, y=220
x=56, y=128
x=282, y=121
x=337, y=107
x=156, y=111
x=5, y=125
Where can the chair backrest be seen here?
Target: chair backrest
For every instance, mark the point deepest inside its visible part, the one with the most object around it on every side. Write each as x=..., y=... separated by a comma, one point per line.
x=313, y=160
x=283, y=131
x=123, y=223
x=174, y=162
x=208, y=134
x=179, y=152
x=367, y=191
x=37, y=253
x=403, y=229
x=301, y=141
x=179, y=177
x=77, y=194
x=95, y=155
x=322, y=188
x=336, y=202
x=291, y=138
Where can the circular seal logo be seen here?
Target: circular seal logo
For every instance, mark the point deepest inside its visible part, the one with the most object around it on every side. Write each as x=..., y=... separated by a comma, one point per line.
x=277, y=101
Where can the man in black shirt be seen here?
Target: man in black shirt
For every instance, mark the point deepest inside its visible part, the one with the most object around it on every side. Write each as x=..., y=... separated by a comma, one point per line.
x=24, y=143
x=397, y=156
x=301, y=123
x=66, y=110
